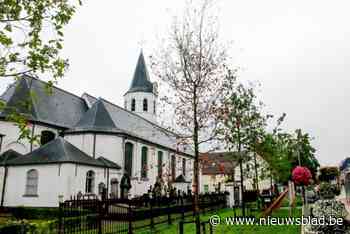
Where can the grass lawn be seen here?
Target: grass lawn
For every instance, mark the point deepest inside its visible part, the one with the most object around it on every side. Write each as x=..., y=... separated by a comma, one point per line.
x=241, y=229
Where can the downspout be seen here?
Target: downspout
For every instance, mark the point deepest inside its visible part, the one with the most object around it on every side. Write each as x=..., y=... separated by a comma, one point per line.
x=94, y=147
x=31, y=140
x=1, y=139
x=4, y=187
x=107, y=181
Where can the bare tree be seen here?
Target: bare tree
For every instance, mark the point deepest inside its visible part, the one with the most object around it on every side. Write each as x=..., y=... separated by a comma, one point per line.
x=190, y=64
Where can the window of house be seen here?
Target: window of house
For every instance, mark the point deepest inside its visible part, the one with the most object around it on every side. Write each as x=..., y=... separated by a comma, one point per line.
x=173, y=167
x=184, y=166
x=90, y=182
x=46, y=136
x=32, y=183
x=101, y=187
x=206, y=188
x=128, y=157
x=145, y=105
x=160, y=163
x=144, y=168
x=133, y=104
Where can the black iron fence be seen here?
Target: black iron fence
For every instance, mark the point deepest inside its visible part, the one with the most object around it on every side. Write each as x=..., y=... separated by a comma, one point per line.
x=94, y=216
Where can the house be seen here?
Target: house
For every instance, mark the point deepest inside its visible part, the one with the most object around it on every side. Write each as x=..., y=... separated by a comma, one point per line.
x=86, y=144
x=220, y=170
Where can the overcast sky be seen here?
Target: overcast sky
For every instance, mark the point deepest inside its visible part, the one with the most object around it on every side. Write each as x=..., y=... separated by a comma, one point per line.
x=298, y=50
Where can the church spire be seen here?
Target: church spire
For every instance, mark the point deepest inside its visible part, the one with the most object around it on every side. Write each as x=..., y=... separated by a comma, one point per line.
x=141, y=81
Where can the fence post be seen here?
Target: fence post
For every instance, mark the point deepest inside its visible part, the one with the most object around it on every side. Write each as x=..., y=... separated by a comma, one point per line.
x=99, y=216
x=181, y=227
x=169, y=212
x=60, y=231
x=151, y=212
x=182, y=209
x=210, y=228
x=130, y=218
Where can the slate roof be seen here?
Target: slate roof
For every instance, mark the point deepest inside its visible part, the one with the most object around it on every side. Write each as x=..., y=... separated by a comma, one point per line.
x=97, y=118
x=181, y=179
x=218, y=163
x=108, y=163
x=8, y=155
x=56, y=151
x=89, y=99
x=107, y=117
x=60, y=108
x=141, y=81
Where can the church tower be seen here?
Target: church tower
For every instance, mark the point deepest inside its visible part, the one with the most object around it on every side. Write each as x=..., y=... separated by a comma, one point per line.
x=141, y=97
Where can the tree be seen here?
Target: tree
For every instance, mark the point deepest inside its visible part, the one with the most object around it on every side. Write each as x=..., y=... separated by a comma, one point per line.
x=242, y=123
x=31, y=37
x=190, y=65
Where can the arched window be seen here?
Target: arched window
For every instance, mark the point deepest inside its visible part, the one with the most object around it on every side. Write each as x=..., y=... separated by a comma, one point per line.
x=101, y=186
x=144, y=168
x=184, y=166
x=128, y=158
x=173, y=167
x=145, y=105
x=90, y=182
x=32, y=183
x=160, y=163
x=46, y=136
x=154, y=107
x=133, y=104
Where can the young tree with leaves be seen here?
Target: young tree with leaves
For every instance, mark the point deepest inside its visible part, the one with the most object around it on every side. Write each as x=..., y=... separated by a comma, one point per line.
x=190, y=66
x=241, y=122
x=31, y=38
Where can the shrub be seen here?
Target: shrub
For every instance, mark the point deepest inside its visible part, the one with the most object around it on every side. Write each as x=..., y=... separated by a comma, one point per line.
x=325, y=209
x=34, y=213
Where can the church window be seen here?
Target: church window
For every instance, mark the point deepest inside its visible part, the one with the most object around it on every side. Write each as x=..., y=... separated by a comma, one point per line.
x=133, y=104
x=32, y=183
x=184, y=166
x=144, y=168
x=145, y=105
x=160, y=163
x=90, y=182
x=46, y=136
x=173, y=167
x=128, y=158
x=154, y=107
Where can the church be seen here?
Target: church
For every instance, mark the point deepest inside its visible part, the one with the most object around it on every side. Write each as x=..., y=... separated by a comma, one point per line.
x=86, y=145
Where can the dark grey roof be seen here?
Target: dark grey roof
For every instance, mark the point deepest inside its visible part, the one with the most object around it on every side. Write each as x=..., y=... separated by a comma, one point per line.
x=8, y=155
x=109, y=163
x=8, y=92
x=141, y=81
x=97, y=118
x=181, y=179
x=56, y=151
x=60, y=108
x=126, y=122
x=89, y=99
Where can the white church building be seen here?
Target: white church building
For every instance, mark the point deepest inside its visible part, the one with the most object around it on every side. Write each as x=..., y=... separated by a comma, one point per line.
x=86, y=144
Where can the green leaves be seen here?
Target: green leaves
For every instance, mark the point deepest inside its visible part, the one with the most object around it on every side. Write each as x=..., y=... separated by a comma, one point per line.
x=31, y=38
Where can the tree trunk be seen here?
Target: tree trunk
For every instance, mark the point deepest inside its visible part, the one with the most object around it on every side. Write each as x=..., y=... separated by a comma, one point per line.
x=196, y=165
x=241, y=172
